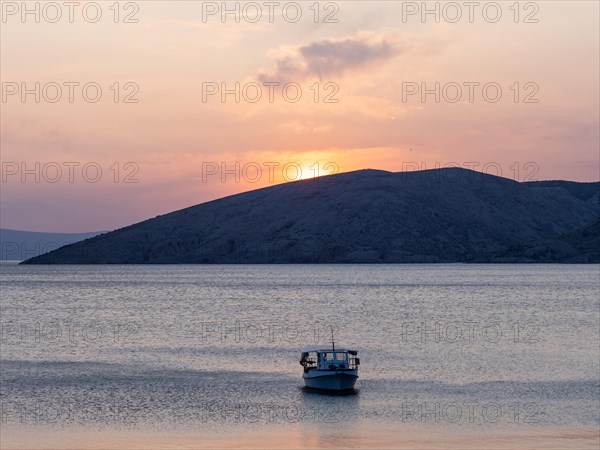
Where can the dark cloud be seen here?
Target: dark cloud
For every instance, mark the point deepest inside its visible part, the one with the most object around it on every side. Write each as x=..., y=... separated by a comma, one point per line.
x=330, y=57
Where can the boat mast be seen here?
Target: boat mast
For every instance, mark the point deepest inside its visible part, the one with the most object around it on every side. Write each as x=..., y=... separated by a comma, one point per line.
x=332, y=340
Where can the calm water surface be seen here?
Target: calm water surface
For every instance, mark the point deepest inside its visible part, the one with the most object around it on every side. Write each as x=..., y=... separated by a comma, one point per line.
x=446, y=349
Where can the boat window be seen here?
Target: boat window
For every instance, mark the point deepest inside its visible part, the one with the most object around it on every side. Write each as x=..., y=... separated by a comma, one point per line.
x=340, y=356
x=328, y=356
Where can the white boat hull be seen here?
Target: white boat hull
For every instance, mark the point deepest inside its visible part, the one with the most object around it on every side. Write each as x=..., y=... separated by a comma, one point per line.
x=330, y=380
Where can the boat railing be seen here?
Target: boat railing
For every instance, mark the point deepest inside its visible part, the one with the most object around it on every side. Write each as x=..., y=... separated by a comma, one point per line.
x=309, y=363
x=353, y=363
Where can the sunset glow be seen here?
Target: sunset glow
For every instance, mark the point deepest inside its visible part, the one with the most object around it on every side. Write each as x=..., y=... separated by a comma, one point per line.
x=380, y=88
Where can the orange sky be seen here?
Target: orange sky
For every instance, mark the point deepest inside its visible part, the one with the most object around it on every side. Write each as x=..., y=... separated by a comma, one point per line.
x=167, y=150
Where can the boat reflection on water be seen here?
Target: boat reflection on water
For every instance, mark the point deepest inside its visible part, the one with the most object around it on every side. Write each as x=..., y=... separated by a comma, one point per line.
x=330, y=392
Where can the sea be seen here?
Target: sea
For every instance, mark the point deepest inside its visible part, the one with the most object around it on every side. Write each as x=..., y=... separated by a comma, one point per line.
x=207, y=356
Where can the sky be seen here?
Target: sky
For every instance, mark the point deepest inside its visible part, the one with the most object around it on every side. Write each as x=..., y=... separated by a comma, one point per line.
x=113, y=115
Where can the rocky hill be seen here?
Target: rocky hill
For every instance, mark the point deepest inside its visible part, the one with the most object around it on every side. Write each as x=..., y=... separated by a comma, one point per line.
x=367, y=216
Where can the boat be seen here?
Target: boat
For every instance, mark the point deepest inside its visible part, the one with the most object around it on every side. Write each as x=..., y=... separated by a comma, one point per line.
x=330, y=369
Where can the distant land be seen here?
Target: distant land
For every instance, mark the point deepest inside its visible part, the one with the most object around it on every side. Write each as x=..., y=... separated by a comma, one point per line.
x=16, y=245
x=368, y=216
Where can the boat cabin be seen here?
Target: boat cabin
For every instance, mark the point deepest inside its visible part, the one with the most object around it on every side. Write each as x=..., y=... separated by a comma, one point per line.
x=328, y=358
